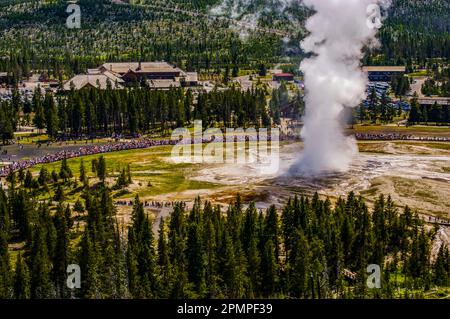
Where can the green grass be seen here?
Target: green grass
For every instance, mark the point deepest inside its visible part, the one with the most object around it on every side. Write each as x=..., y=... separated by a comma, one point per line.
x=378, y=146
x=147, y=165
x=245, y=72
x=418, y=74
x=32, y=138
x=439, y=146
x=401, y=129
x=371, y=192
x=425, y=195
x=438, y=293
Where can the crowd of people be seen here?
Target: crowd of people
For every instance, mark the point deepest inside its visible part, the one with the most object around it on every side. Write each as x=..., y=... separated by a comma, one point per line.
x=114, y=147
x=155, y=204
x=145, y=143
x=437, y=220
x=83, y=151
x=399, y=136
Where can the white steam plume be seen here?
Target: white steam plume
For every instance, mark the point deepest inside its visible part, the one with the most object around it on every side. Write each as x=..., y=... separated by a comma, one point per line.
x=339, y=30
x=247, y=13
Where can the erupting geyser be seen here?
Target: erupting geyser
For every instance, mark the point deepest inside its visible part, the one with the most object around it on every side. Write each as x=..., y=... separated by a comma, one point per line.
x=339, y=30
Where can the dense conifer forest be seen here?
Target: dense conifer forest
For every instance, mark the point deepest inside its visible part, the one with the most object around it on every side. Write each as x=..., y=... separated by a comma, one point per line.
x=93, y=112
x=308, y=247
x=302, y=250
x=34, y=36
x=414, y=31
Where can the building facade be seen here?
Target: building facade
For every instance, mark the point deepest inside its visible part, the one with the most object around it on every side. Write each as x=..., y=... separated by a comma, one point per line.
x=279, y=77
x=156, y=75
x=383, y=73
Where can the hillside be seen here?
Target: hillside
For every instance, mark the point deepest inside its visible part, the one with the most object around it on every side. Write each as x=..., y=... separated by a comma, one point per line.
x=34, y=34
x=416, y=30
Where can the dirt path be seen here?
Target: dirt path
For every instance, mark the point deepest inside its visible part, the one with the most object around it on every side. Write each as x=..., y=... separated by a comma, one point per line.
x=442, y=238
x=416, y=86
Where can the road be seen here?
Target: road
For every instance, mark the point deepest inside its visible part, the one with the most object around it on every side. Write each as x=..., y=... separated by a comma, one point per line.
x=416, y=86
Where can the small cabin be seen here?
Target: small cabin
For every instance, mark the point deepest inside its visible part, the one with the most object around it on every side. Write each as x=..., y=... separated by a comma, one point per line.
x=279, y=77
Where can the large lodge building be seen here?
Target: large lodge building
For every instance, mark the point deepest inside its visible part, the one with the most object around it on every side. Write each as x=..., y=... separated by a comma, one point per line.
x=430, y=101
x=157, y=75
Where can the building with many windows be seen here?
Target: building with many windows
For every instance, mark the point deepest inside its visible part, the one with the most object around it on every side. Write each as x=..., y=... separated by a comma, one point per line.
x=383, y=73
x=156, y=75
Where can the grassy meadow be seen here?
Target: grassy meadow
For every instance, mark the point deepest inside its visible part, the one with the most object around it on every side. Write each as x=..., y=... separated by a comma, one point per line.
x=152, y=173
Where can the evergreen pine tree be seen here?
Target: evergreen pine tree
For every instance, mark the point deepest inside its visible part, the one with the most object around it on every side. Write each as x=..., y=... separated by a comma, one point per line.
x=269, y=270
x=196, y=258
x=61, y=258
x=41, y=285
x=22, y=289
x=5, y=269
x=163, y=262
x=82, y=177
x=101, y=169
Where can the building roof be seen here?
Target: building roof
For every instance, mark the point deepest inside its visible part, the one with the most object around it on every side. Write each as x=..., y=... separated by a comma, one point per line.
x=384, y=69
x=3, y=74
x=102, y=71
x=94, y=80
x=283, y=74
x=113, y=76
x=120, y=72
x=191, y=76
x=143, y=67
x=94, y=71
x=163, y=84
x=432, y=100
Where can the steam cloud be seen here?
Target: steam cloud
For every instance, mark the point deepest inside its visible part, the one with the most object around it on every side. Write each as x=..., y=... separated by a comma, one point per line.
x=339, y=30
x=237, y=8
x=247, y=13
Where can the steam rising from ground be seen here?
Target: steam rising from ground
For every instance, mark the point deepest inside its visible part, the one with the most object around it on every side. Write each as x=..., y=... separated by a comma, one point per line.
x=249, y=12
x=237, y=8
x=339, y=30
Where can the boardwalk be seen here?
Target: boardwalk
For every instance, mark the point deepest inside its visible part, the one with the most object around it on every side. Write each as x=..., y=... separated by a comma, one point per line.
x=83, y=151
x=435, y=220
x=349, y=274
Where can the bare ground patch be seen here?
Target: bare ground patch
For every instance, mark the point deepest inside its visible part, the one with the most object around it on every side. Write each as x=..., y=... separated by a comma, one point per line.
x=426, y=195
